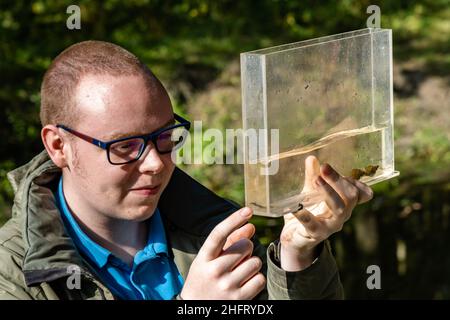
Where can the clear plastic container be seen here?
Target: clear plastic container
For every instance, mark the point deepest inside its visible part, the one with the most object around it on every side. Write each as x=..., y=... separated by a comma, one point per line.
x=330, y=97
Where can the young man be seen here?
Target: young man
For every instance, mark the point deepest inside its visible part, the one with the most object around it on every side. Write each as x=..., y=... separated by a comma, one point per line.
x=103, y=213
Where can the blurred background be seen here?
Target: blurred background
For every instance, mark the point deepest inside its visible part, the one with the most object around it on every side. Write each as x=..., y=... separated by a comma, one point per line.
x=193, y=46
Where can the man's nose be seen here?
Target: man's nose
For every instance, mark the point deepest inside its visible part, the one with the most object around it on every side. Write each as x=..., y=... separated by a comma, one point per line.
x=151, y=160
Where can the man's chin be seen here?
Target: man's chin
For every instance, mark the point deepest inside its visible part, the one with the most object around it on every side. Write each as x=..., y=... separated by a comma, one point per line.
x=145, y=212
x=142, y=212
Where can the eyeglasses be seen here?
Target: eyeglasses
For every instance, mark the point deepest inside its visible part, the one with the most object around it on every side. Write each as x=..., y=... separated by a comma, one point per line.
x=130, y=149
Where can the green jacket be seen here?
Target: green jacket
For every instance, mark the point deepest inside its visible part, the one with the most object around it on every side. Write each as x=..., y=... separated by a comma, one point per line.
x=37, y=256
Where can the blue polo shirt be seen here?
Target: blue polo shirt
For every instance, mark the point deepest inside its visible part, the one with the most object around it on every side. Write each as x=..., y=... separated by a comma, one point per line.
x=153, y=276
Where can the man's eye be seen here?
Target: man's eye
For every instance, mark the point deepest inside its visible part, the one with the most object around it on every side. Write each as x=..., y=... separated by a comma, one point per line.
x=125, y=146
x=128, y=146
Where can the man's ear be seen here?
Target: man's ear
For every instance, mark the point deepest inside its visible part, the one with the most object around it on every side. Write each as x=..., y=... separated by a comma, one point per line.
x=55, y=146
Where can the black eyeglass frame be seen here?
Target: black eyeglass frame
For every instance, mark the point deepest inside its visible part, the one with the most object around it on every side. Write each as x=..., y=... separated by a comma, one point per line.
x=146, y=137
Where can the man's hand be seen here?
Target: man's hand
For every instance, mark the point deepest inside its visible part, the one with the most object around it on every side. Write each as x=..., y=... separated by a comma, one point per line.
x=302, y=230
x=224, y=267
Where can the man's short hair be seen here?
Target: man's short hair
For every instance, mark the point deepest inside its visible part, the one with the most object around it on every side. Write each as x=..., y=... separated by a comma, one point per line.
x=66, y=70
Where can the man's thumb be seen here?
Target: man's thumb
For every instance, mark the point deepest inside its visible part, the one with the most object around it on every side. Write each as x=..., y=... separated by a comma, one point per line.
x=215, y=242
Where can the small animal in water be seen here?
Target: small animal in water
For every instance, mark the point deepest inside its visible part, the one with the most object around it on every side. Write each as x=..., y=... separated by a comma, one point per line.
x=367, y=171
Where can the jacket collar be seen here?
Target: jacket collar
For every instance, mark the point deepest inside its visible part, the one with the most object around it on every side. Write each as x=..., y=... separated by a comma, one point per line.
x=49, y=251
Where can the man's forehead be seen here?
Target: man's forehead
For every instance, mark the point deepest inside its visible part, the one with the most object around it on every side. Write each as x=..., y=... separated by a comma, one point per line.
x=118, y=107
x=98, y=93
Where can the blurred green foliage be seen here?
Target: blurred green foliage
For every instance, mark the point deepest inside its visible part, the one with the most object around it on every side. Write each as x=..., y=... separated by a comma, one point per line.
x=193, y=47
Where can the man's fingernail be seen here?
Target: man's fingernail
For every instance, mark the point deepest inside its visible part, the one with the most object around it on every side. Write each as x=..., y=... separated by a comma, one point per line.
x=327, y=170
x=320, y=181
x=245, y=212
x=304, y=218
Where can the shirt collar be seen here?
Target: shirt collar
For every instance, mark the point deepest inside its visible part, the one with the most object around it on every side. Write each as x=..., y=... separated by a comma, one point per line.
x=156, y=242
x=95, y=252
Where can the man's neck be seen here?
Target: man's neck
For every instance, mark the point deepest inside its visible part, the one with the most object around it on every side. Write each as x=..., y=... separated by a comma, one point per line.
x=122, y=238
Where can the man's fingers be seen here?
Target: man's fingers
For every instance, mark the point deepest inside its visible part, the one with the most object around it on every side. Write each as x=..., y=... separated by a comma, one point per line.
x=365, y=192
x=252, y=287
x=332, y=198
x=348, y=192
x=216, y=240
x=245, y=270
x=312, y=171
x=231, y=257
x=245, y=232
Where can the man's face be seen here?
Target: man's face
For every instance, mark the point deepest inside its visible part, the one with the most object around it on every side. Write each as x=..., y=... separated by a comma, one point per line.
x=111, y=108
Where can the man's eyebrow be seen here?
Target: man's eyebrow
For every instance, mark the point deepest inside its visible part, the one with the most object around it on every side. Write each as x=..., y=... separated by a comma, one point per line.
x=136, y=133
